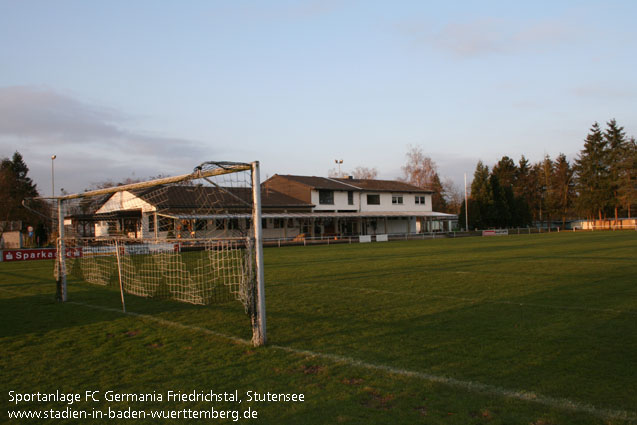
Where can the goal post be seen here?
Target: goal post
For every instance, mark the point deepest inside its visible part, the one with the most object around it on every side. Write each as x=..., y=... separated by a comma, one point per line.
x=193, y=238
x=258, y=320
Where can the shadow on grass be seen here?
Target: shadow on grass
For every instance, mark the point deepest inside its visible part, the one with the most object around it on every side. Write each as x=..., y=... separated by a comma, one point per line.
x=88, y=304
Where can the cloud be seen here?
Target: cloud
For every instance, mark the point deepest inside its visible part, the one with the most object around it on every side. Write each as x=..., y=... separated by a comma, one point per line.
x=489, y=36
x=43, y=114
x=94, y=141
x=43, y=117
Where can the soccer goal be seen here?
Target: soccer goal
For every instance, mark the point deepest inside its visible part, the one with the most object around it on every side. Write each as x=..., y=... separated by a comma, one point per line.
x=193, y=238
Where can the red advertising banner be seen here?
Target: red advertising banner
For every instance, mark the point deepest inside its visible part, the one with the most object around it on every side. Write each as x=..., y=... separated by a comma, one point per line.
x=37, y=254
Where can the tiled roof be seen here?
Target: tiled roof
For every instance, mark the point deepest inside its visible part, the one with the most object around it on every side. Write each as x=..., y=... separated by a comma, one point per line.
x=384, y=185
x=194, y=197
x=319, y=182
x=355, y=184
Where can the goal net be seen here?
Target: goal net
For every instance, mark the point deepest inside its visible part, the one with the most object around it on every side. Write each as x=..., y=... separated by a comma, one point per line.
x=194, y=238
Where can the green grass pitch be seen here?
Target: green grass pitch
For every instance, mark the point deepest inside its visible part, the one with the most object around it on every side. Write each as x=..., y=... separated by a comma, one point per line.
x=530, y=329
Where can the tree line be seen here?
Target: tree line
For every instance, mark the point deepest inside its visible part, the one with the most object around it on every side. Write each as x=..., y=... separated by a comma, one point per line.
x=601, y=183
x=16, y=186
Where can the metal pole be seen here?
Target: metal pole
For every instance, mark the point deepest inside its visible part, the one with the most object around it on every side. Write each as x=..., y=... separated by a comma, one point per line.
x=119, y=273
x=52, y=195
x=466, y=204
x=53, y=176
x=61, y=282
x=258, y=331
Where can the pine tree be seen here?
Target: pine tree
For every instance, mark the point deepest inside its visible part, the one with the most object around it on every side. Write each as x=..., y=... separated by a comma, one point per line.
x=627, y=189
x=592, y=175
x=15, y=186
x=499, y=211
x=549, y=196
x=506, y=170
x=535, y=192
x=522, y=178
x=481, y=197
x=616, y=144
x=563, y=188
x=593, y=181
x=523, y=194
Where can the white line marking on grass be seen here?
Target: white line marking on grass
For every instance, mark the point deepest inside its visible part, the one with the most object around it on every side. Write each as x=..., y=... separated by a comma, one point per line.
x=475, y=387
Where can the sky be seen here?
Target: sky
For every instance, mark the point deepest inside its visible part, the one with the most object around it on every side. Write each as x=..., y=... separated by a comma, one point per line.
x=133, y=89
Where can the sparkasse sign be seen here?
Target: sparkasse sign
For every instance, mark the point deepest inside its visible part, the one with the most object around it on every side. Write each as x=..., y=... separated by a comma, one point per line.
x=37, y=254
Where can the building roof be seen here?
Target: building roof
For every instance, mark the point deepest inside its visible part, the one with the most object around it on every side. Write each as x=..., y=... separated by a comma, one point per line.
x=318, y=182
x=384, y=185
x=327, y=183
x=197, y=198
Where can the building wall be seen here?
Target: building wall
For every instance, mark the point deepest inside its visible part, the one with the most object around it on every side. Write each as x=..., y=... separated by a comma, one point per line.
x=11, y=239
x=125, y=201
x=360, y=202
x=408, y=205
x=622, y=223
x=391, y=225
x=340, y=201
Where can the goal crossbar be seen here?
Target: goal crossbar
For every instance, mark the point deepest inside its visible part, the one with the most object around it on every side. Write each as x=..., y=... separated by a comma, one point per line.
x=225, y=168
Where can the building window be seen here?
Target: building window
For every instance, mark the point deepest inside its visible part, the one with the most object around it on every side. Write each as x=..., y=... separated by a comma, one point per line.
x=397, y=199
x=420, y=200
x=326, y=197
x=373, y=199
x=165, y=224
x=350, y=198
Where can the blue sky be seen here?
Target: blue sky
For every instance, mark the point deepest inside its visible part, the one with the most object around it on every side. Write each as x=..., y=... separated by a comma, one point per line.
x=118, y=89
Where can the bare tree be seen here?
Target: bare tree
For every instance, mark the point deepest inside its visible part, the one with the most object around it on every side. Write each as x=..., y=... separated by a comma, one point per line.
x=360, y=173
x=365, y=173
x=421, y=171
x=454, y=195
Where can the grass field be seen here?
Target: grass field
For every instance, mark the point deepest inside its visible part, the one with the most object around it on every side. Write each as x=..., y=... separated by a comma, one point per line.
x=532, y=329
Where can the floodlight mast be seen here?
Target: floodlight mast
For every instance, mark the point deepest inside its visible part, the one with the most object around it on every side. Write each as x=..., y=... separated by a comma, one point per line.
x=339, y=162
